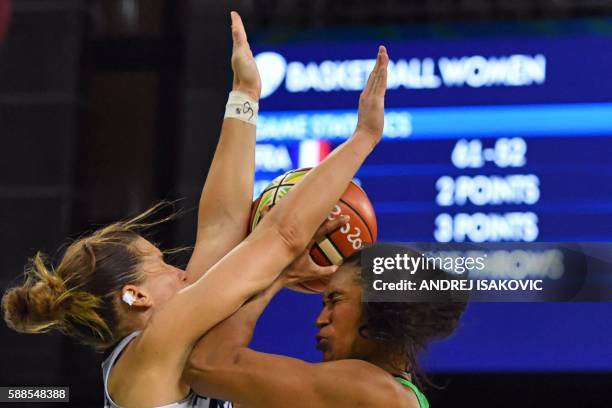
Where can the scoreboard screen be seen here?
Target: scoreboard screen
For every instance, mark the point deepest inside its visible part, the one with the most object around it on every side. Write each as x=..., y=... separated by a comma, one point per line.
x=492, y=134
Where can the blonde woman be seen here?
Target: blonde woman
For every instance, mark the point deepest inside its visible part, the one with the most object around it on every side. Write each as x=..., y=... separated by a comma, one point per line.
x=113, y=289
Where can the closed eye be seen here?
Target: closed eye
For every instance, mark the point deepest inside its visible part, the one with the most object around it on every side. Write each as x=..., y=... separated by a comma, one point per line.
x=333, y=298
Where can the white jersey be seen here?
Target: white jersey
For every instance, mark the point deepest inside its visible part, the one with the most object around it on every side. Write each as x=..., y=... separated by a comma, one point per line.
x=192, y=400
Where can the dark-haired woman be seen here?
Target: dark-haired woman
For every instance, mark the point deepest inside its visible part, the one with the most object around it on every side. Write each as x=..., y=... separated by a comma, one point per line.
x=369, y=351
x=113, y=288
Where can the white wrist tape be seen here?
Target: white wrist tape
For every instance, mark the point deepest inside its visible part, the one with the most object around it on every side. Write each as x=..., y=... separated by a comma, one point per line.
x=240, y=106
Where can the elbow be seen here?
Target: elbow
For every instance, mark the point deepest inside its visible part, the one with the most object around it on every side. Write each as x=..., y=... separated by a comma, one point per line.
x=199, y=366
x=199, y=374
x=195, y=373
x=204, y=365
x=202, y=373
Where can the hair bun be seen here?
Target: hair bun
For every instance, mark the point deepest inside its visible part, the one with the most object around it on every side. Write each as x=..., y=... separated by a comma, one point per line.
x=16, y=309
x=39, y=304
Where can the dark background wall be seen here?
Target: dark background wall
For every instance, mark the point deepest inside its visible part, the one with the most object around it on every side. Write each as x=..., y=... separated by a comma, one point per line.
x=39, y=104
x=109, y=105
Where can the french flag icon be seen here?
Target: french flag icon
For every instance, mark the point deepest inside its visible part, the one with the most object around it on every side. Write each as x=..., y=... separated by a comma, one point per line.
x=312, y=152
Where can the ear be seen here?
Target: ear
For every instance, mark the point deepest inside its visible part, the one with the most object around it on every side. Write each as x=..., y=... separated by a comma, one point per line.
x=137, y=295
x=363, y=331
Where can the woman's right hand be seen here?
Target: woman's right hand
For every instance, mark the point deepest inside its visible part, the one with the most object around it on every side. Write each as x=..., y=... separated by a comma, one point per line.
x=246, y=75
x=371, y=116
x=304, y=268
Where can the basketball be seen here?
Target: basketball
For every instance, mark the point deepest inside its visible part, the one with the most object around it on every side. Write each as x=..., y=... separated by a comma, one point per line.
x=340, y=244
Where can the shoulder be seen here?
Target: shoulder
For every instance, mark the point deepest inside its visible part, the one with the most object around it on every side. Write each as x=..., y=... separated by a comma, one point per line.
x=135, y=372
x=363, y=383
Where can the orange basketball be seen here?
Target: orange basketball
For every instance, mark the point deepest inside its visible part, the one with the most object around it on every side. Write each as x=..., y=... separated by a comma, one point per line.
x=340, y=244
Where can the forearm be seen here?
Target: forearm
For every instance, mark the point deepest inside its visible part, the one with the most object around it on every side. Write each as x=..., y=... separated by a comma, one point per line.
x=245, y=319
x=228, y=191
x=325, y=184
x=225, y=202
x=222, y=342
x=321, y=188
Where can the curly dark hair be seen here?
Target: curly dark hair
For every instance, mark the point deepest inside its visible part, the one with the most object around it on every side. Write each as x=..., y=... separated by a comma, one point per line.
x=406, y=328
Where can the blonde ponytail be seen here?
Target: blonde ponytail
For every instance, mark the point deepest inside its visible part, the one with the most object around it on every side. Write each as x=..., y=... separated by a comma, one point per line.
x=77, y=297
x=44, y=302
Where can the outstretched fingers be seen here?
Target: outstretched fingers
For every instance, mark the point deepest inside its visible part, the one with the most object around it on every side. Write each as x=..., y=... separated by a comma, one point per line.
x=378, y=77
x=238, y=32
x=380, y=82
x=329, y=226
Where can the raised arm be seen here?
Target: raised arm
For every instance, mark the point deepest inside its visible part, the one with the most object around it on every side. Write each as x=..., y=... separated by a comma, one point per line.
x=281, y=236
x=225, y=203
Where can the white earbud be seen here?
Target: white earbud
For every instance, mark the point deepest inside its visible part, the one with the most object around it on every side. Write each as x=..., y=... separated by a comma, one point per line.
x=128, y=298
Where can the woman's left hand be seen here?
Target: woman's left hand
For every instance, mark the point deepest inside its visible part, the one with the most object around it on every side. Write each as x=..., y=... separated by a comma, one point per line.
x=246, y=75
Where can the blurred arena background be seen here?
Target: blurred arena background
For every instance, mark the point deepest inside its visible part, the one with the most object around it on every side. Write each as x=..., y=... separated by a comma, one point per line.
x=107, y=106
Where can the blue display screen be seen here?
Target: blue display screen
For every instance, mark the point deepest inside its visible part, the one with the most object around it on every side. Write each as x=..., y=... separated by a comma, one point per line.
x=490, y=135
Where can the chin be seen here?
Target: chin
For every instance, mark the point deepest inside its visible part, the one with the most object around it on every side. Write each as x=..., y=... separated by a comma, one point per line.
x=334, y=356
x=327, y=356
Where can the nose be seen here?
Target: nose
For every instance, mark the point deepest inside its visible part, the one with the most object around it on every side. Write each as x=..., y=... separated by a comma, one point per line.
x=324, y=318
